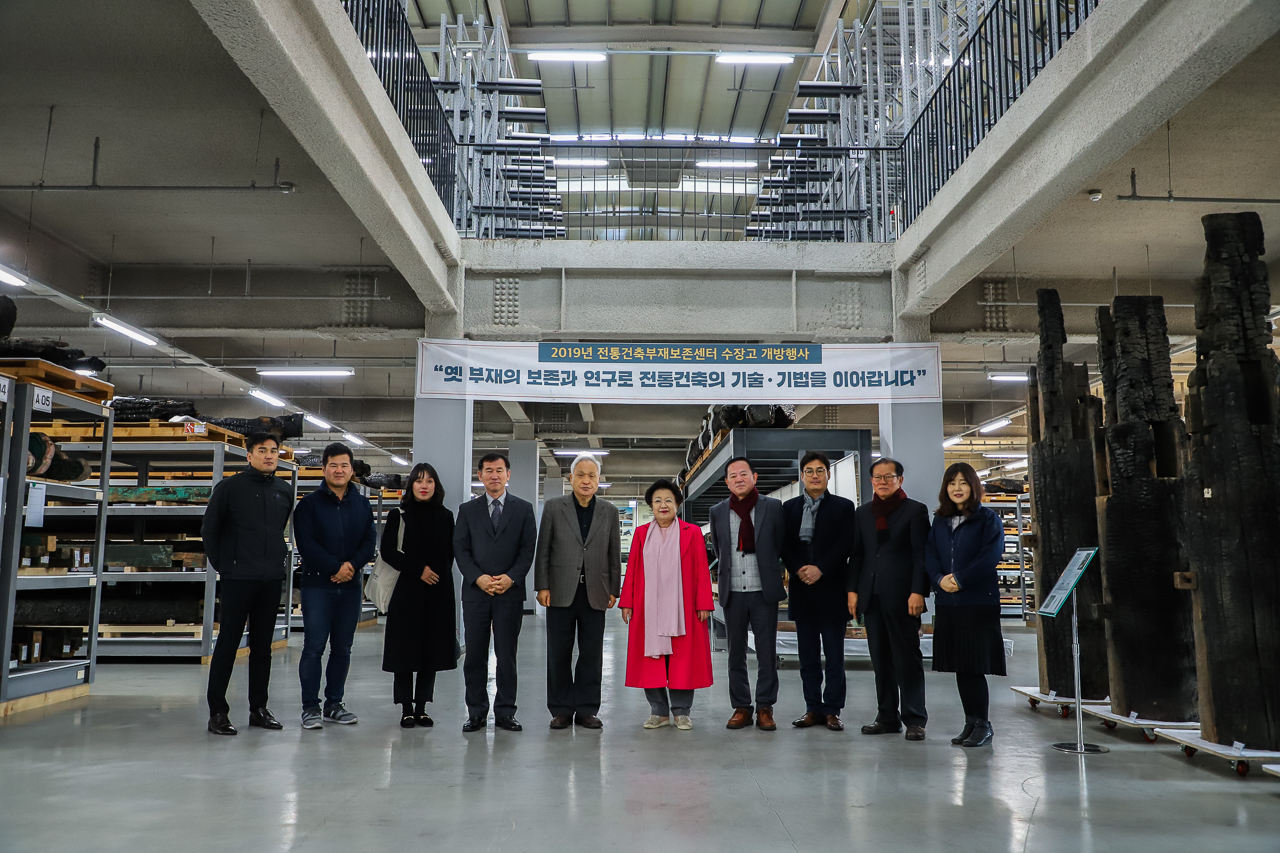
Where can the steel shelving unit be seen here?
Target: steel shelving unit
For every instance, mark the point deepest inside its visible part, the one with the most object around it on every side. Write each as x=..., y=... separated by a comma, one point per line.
x=207, y=462
x=20, y=496
x=1016, y=515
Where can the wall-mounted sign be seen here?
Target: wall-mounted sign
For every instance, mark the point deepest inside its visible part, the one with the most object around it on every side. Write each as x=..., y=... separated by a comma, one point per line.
x=688, y=373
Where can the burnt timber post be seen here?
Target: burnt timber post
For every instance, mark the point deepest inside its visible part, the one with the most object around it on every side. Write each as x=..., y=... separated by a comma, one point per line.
x=1231, y=518
x=1063, y=428
x=1150, y=645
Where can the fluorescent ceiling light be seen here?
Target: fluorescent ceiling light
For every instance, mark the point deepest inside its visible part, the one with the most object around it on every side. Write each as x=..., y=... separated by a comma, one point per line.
x=10, y=277
x=727, y=164
x=307, y=371
x=591, y=451
x=124, y=329
x=354, y=439
x=477, y=485
x=313, y=420
x=1005, y=454
x=875, y=454
x=755, y=58
x=952, y=441
x=572, y=163
x=632, y=504
x=605, y=485
x=84, y=371
x=1007, y=377
x=267, y=398
x=566, y=56
x=1013, y=466
x=998, y=423
x=399, y=461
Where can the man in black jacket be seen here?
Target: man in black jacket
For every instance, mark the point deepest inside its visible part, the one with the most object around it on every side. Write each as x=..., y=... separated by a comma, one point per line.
x=887, y=586
x=335, y=534
x=493, y=543
x=243, y=533
x=816, y=549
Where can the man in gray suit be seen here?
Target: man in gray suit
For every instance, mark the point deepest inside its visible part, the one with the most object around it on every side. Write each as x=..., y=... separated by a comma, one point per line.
x=493, y=541
x=747, y=532
x=577, y=573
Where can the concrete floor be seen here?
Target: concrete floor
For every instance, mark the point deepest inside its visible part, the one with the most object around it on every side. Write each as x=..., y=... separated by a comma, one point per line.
x=130, y=768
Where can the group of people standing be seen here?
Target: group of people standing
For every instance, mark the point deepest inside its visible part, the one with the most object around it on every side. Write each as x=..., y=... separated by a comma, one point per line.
x=831, y=561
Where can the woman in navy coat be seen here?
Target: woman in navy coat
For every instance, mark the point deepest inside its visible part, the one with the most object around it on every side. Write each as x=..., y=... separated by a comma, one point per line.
x=964, y=547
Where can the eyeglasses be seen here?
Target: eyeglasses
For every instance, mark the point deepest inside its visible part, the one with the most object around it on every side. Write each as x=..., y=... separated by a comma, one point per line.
x=885, y=478
x=809, y=472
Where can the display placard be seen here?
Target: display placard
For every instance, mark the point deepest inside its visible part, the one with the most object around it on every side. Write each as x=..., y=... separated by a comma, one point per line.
x=1067, y=582
x=680, y=373
x=35, y=505
x=41, y=399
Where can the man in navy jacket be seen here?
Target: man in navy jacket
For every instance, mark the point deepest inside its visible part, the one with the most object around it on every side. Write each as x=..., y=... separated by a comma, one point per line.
x=333, y=527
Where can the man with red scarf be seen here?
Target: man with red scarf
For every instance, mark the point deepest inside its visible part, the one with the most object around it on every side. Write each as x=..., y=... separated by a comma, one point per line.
x=887, y=586
x=747, y=532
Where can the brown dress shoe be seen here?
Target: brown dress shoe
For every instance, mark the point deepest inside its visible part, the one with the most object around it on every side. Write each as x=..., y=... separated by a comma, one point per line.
x=833, y=723
x=764, y=720
x=915, y=732
x=740, y=720
x=561, y=722
x=809, y=719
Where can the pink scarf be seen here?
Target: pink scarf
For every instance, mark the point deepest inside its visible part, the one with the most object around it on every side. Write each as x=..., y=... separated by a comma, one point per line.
x=663, y=589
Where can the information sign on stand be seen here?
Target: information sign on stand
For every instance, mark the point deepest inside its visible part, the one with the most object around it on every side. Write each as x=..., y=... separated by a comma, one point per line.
x=1062, y=590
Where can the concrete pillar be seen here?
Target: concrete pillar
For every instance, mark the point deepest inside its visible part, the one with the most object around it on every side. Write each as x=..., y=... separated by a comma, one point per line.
x=554, y=487
x=525, y=470
x=912, y=434
x=442, y=437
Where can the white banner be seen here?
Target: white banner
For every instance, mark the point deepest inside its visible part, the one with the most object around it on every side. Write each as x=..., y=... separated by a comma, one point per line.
x=686, y=373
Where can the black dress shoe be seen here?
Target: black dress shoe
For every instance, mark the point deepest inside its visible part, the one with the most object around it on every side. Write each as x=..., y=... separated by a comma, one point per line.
x=915, y=732
x=964, y=733
x=220, y=724
x=510, y=724
x=407, y=721
x=562, y=722
x=425, y=721
x=589, y=721
x=879, y=728
x=981, y=735
x=263, y=719
x=475, y=724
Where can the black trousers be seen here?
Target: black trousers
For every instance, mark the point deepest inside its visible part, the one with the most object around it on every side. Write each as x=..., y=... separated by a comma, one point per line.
x=257, y=602
x=749, y=610
x=815, y=636
x=404, y=695
x=501, y=615
x=893, y=638
x=571, y=690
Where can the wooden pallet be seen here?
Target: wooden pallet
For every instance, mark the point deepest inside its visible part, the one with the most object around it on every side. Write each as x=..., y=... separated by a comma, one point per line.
x=1239, y=759
x=195, y=631
x=1035, y=699
x=1111, y=721
x=46, y=374
x=153, y=430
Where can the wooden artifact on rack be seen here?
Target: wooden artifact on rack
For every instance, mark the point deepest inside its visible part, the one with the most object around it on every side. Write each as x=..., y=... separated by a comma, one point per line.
x=46, y=374
x=1150, y=647
x=1231, y=517
x=1063, y=437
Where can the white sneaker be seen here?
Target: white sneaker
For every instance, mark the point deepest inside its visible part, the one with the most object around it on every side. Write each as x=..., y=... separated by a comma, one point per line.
x=683, y=723
x=340, y=715
x=311, y=719
x=656, y=722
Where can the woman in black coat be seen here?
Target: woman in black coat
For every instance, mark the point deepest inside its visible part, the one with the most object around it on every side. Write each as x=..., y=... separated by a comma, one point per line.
x=421, y=632
x=964, y=548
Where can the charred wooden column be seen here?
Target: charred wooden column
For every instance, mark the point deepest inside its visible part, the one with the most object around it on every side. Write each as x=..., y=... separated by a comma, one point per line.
x=1231, y=519
x=1063, y=423
x=1150, y=646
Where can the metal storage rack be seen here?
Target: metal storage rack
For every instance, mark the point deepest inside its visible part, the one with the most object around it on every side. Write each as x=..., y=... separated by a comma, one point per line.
x=1016, y=515
x=207, y=461
x=21, y=401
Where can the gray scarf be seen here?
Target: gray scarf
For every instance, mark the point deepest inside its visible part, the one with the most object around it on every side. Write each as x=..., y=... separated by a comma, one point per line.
x=808, y=516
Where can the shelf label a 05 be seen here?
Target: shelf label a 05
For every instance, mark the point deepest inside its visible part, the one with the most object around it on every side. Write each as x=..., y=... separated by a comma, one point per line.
x=41, y=399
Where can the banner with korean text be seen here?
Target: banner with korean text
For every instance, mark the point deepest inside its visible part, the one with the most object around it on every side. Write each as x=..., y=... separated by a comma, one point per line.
x=687, y=373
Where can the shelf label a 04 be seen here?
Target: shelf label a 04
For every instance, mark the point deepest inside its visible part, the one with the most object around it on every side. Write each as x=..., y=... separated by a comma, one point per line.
x=41, y=399
x=4, y=389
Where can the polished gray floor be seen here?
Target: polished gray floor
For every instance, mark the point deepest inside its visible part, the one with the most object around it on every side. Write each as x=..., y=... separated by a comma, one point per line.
x=131, y=769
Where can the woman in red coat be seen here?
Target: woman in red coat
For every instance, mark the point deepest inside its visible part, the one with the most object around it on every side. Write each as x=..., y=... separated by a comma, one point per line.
x=667, y=585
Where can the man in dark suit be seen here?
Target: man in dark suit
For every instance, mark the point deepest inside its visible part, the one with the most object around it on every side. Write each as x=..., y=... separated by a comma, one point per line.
x=887, y=586
x=816, y=553
x=747, y=533
x=493, y=542
x=578, y=576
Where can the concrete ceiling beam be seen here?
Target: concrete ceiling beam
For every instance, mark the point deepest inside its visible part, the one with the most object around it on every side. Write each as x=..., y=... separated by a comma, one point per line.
x=1111, y=85
x=306, y=60
x=676, y=38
